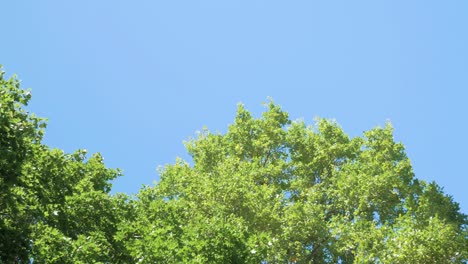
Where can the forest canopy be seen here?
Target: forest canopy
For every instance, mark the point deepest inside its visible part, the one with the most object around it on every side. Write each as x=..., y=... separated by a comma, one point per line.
x=269, y=190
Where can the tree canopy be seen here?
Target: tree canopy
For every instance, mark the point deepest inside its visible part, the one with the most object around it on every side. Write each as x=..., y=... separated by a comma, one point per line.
x=55, y=207
x=269, y=190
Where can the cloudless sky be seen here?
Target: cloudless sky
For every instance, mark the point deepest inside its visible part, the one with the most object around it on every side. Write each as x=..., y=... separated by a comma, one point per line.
x=134, y=79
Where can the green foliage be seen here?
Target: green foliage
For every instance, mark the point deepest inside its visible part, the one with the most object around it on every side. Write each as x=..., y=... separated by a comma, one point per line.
x=269, y=190
x=54, y=207
x=275, y=191
x=19, y=133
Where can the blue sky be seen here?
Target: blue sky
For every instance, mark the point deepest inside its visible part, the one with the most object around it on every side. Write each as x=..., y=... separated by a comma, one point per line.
x=133, y=79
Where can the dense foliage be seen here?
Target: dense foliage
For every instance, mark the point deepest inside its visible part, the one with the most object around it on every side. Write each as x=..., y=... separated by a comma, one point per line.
x=54, y=207
x=269, y=190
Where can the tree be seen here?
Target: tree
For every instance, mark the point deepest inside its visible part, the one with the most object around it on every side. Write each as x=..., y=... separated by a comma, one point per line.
x=19, y=133
x=54, y=207
x=275, y=191
x=269, y=190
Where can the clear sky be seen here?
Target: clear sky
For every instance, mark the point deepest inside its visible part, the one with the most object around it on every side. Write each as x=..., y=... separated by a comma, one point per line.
x=133, y=79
